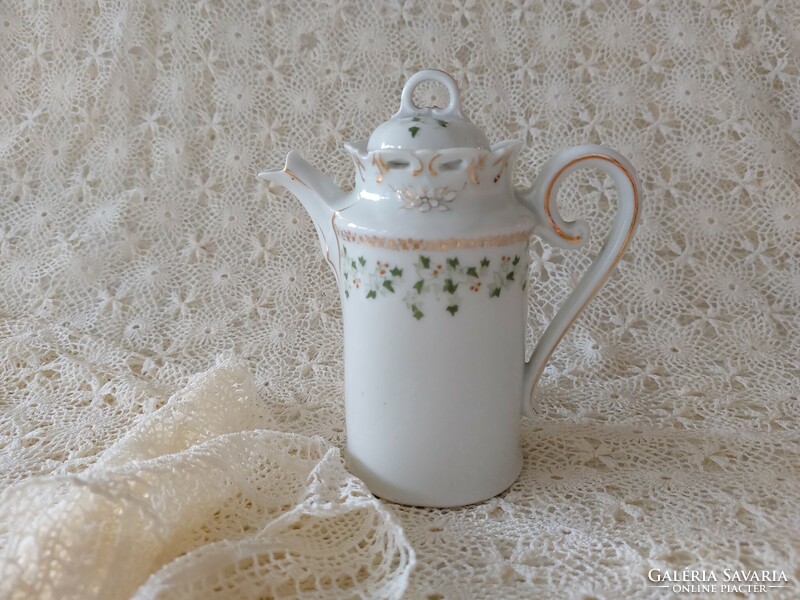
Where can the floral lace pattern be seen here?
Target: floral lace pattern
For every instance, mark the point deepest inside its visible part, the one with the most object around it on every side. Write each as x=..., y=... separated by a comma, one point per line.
x=136, y=245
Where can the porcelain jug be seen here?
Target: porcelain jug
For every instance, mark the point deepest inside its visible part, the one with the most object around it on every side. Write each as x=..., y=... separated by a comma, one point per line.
x=430, y=252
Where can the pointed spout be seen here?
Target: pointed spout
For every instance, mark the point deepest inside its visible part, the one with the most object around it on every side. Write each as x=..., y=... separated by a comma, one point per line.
x=319, y=195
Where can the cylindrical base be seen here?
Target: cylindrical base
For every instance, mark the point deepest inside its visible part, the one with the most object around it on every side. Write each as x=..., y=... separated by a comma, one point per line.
x=446, y=493
x=433, y=373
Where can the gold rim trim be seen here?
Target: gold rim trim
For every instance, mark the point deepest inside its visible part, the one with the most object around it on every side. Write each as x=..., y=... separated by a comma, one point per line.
x=547, y=195
x=375, y=241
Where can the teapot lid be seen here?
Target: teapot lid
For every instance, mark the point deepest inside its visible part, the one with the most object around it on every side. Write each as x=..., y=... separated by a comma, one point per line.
x=416, y=128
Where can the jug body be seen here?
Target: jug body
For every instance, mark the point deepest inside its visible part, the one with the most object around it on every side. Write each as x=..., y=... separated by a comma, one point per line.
x=430, y=251
x=434, y=353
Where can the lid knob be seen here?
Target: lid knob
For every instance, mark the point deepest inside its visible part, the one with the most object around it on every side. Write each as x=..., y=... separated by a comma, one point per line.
x=417, y=128
x=407, y=106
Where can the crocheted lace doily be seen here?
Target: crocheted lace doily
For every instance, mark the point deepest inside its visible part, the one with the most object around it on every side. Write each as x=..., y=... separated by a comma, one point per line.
x=170, y=336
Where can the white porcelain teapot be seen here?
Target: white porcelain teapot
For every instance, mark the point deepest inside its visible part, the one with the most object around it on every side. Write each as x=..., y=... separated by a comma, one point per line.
x=430, y=251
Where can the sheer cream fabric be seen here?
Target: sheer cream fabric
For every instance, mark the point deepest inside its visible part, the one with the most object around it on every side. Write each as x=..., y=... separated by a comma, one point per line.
x=170, y=343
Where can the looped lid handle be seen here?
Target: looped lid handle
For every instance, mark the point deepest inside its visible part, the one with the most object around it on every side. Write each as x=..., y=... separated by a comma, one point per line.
x=417, y=128
x=407, y=106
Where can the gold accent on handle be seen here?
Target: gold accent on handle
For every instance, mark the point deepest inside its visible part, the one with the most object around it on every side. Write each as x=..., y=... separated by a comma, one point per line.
x=614, y=262
x=576, y=238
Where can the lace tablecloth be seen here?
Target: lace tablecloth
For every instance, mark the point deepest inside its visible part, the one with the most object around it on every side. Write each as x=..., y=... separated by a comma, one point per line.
x=170, y=341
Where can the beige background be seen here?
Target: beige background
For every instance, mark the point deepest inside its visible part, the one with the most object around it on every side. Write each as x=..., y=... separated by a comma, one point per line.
x=137, y=246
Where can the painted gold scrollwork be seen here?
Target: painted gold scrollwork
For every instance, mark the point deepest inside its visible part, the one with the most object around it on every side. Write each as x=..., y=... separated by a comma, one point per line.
x=433, y=171
x=474, y=167
x=377, y=161
x=419, y=170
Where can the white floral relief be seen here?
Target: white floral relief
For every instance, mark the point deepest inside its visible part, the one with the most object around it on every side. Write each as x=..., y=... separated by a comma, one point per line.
x=425, y=200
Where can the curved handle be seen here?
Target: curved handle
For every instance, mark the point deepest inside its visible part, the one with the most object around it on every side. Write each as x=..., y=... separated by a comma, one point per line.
x=407, y=106
x=541, y=200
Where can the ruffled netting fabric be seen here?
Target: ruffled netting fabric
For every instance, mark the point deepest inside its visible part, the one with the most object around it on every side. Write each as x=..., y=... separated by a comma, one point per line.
x=170, y=335
x=196, y=501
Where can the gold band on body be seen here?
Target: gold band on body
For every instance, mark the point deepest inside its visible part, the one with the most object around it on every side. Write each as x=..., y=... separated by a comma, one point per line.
x=491, y=241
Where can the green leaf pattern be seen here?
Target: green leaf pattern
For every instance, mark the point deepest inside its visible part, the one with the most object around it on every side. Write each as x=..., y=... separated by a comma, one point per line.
x=436, y=284
x=505, y=275
x=374, y=280
x=419, y=121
